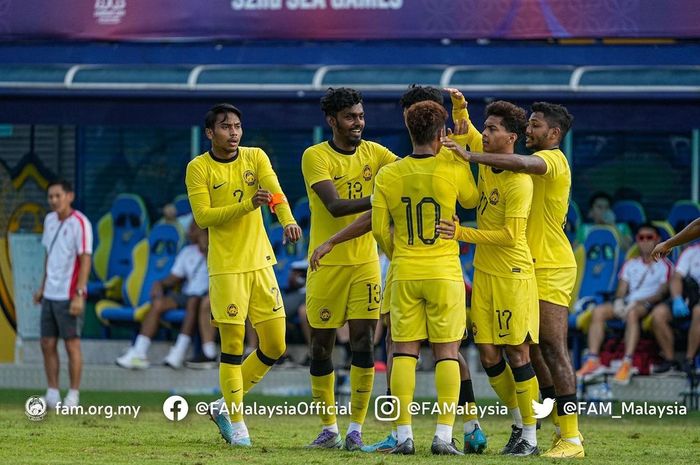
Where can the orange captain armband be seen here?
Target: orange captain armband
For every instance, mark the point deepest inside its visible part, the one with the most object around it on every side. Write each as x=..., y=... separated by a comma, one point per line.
x=276, y=200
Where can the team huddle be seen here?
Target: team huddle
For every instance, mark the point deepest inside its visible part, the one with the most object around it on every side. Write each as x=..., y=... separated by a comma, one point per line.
x=524, y=265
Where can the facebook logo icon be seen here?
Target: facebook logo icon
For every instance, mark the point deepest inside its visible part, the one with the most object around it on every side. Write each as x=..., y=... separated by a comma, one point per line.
x=175, y=408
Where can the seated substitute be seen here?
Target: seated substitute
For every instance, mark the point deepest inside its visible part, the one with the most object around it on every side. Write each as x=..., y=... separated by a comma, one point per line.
x=642, y=284
x=190, y=268
x=683, y=305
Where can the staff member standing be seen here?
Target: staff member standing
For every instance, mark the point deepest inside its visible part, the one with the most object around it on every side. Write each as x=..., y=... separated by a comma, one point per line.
x=68, y=241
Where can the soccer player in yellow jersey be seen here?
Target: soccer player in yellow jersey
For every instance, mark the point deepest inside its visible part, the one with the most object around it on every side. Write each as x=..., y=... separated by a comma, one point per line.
x=504, y=308
x=474, y=439
x=226, y=186
x=427, y=290
x=339, y=175
x=555, y=266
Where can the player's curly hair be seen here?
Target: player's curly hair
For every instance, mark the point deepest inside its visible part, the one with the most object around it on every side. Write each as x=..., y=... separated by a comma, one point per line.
x=220, y=109
x=514, y=118
x=557, y=116
x=416, y=93
x=425, y=120
x=339, y=99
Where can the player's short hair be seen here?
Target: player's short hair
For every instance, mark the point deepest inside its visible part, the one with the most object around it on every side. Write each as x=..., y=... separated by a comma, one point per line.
x=600, y=195
x=65, y=185
x=425, y=120
x=647, y=226
x=514, y=118
x=557, y=116
x=220, y=109
x=339, y=99
x=417, y=93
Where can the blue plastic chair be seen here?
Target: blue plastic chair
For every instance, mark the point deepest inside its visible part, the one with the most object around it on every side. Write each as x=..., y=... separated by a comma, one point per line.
x=682, y=214
x=603, y=258
x=118, y=231
x=152, y=260
x=630, y=212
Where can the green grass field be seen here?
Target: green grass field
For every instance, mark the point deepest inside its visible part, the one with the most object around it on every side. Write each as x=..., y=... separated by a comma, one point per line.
x=152, y=439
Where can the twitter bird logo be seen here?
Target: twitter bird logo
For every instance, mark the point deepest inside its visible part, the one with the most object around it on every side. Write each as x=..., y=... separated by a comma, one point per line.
x=544, y=409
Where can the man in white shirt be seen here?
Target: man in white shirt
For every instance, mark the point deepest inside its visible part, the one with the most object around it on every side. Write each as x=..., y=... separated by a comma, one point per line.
x=643, y=283
x=68, y=241
x=190, y=270
x=683, y=305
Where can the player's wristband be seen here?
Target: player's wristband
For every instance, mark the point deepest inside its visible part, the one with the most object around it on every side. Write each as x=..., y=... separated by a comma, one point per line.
x=276, y=200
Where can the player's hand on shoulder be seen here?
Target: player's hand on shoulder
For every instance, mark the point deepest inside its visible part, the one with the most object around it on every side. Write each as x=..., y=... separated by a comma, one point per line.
x=292, y=233
x=261, y=198
x=456, y=148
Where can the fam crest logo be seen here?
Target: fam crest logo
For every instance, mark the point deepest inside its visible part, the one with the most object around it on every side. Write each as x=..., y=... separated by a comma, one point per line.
x=367, y=173
x=232, y=310
x=325, y=314
x=35, y=408
x=249, y=177
x=109, y=12
x=494, y=197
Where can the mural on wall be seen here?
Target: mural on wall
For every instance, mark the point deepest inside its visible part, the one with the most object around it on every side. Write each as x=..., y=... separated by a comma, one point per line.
x=22, y=209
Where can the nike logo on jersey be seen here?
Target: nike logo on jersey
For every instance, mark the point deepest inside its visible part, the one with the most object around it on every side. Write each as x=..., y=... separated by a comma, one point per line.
x=503, y=335
x=216, y=186
x=335, y=178
x=275, y=309
x=362, y=390
x=371, y=309
x=233, y=392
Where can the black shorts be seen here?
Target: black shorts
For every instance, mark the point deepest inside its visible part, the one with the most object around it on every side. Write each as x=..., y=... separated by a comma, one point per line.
x=179, y=298
x=56, y=320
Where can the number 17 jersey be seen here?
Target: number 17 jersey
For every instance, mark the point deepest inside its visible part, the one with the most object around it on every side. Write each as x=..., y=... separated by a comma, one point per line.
x=418, y=192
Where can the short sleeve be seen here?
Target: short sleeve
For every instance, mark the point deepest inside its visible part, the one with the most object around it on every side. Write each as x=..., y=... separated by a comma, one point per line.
x=386, y=156
x=683, y=265
x=625, y=272
x=178, y=268
x=314, y=167
x=83, y=236
x=378, y=197
x=552, y=161
x=518, y=196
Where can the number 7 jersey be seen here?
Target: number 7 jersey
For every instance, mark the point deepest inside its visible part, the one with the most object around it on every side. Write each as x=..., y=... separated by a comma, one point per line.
x=416, y=193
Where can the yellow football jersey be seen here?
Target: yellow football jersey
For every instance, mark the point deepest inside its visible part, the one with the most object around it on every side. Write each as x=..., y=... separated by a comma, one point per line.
x=550, y=203
x=417, y=192
x=353, y=175
x=220, y=193
x=503, y=195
